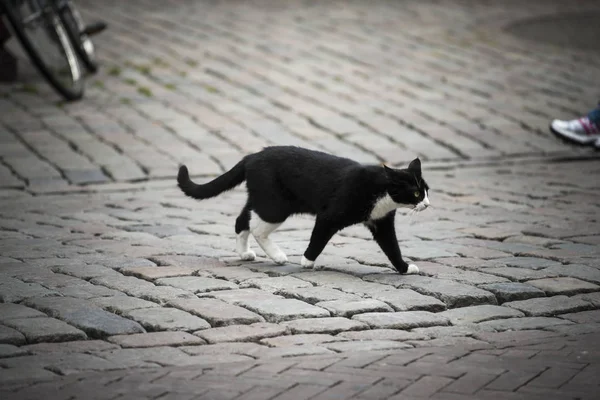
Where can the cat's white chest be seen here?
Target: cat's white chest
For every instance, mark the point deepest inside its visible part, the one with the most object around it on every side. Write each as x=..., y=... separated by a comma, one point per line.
x=383, y=206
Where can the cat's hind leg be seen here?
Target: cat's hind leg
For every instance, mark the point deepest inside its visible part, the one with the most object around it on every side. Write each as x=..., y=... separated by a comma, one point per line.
x=261, y=230
x=242, y=229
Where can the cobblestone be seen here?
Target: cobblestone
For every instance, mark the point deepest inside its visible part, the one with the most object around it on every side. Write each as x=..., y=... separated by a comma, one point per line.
x=512, y=291
x=93, y=228
x=452, y=293
x=514, y=324
x=565, y=286
x=550, y=306
x=91, y=319
x=343, y=308
x=217, y=312
x=324, y=325
x=45, y=330
x=409, y=300
x=11, y=336
x=154, y=339
x=242, y=333
x=471, y=315
x=11, y=311
x=401, y=320
x=197, y=284
x=167, y=319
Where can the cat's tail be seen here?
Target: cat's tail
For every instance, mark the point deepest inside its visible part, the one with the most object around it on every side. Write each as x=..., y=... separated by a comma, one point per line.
x=228, y=180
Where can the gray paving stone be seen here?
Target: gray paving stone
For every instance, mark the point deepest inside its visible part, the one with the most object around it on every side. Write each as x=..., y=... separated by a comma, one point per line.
x=197, y=284
x=155, y=339
x=125, y=284
x=28, y=373
x=167, y=319
x=549, y=306
x=85, y=271
x=527, y=262
x=583, y=317
x=344, y=282
x=472, y=315
x=153, y=273
x=217, y=312
x=91, y=319
x=452, y=293
x=409, y=300
x=276, y=284
x=381, y=334
x=435, y=332
x=86, y=290
x=8, y=350
x=84, y=176
x=324, y=325
x=576, y=329
x=162, y=294
x=301, y=339
x=578, y=271
x=366, y=345
x=316, y=294
x=237, y=274
x=145, y=357
x=14, y=291
x=520, y=274
x=291, y=351
x=241, y=296
x=245, y=348
x=45, y=329
x=343, y=308
x=122, y=304
x=78, y=346
x=566, y=286
x=525, y=323
x=467, y=277
x=401, y=320
x=242, y=333
x=512, y=291
x=11, y=336
x=453, y=341
x=278, y=310
x=11, y=311
x=593, y=298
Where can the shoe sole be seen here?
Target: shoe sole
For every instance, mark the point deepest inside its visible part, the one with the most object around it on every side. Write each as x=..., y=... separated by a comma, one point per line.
x=572, y=138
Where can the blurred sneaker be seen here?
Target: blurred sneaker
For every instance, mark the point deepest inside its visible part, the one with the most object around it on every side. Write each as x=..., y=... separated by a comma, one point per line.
x=582, y=130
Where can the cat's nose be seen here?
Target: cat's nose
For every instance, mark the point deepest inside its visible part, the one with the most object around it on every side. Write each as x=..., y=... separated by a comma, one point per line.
x=426, y=202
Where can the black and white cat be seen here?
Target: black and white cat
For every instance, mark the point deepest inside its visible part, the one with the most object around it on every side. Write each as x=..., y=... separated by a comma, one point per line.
x=286, y=180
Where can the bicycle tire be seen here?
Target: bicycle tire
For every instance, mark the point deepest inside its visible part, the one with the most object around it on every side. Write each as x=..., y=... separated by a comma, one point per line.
x=71, y=19
x=75, y=92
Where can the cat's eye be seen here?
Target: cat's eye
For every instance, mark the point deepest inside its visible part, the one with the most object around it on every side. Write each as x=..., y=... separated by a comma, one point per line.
x=417, y=194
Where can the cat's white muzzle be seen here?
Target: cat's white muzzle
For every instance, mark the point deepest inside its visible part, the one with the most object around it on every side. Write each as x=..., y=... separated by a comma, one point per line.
x=423, y=204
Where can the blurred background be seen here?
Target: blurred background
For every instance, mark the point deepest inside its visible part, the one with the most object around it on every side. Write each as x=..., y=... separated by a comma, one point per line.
x=205, y=82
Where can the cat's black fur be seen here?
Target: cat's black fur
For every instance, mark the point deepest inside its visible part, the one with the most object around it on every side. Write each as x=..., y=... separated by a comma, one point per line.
x=340, y=192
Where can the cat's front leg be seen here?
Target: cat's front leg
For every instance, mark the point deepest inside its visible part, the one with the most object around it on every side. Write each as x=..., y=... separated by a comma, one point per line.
x=385, y=235
x=321, y=234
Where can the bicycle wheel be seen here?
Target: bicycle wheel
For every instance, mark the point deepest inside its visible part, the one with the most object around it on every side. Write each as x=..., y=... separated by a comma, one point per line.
x=74, y=25
x=43, y=37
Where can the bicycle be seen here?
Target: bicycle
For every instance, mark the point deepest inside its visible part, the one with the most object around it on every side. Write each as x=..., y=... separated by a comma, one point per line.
x=55, y=37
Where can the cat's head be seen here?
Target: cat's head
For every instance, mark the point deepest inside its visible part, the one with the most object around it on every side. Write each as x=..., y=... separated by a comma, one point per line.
x=407, y=186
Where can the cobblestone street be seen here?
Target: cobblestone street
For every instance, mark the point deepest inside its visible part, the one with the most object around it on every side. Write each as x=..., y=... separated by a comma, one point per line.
x=114, y=285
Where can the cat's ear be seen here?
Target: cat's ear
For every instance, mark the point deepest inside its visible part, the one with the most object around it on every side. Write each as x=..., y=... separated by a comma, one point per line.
x=415, y=166
x=387, y=169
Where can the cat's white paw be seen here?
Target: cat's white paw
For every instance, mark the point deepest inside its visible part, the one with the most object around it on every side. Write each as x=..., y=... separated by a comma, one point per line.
x=248, y=255
x=279, y=258
x=305, y=262
x=412, y=269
